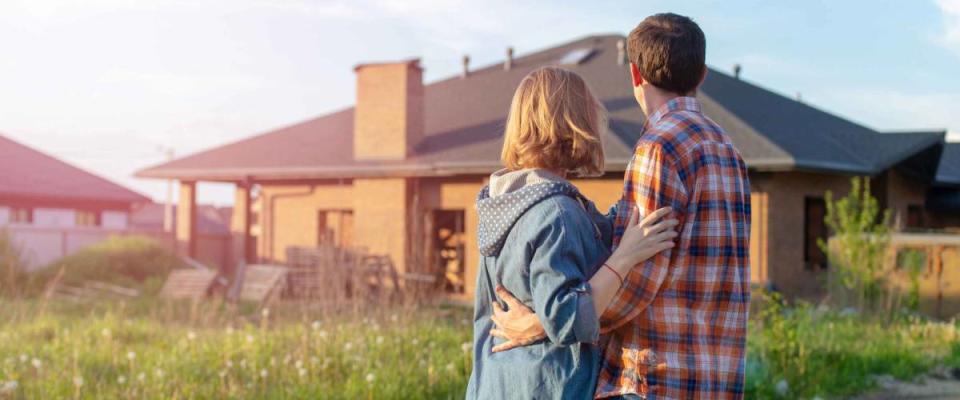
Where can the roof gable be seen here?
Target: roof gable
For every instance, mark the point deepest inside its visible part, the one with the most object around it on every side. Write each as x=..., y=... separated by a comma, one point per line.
x=28, y=173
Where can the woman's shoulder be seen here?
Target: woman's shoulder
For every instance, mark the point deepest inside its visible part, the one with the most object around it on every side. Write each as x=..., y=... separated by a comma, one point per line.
x=560, y=209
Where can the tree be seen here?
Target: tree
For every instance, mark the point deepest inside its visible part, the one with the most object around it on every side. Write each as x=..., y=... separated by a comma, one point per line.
x=855, y=252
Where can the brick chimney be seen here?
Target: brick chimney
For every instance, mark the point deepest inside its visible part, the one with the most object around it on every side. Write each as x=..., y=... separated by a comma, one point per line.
x=388, y=118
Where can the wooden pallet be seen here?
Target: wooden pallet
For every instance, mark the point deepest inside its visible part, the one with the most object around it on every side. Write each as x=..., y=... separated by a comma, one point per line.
x=263, y=283
x=188, y=284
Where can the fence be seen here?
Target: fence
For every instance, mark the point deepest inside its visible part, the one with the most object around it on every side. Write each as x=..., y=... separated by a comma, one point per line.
x=41, y=245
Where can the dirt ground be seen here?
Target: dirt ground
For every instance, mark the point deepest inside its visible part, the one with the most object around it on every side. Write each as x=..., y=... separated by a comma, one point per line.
x=941, y=384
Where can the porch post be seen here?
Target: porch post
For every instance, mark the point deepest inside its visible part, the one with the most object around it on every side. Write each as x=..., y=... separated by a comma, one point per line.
x=187, y=219
x=240, y=234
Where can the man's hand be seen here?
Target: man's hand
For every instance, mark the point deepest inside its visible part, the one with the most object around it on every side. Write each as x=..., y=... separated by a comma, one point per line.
x=519, y=326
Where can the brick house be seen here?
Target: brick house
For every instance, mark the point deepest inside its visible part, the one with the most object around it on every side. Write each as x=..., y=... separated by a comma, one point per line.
x=53, y=208
x=398, y=173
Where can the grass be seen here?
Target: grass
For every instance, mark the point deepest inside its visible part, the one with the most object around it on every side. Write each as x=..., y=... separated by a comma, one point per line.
x=805, y=351
x=213, y=351
x=148, y=349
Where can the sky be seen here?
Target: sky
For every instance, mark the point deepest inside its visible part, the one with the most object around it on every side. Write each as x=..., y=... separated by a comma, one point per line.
x=108, y=85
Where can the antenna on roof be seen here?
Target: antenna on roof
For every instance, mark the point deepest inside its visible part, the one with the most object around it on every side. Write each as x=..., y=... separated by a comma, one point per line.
x=466, y=66
x=508, y=63
x=799, y=97
x=736, y=70
x=621, y=52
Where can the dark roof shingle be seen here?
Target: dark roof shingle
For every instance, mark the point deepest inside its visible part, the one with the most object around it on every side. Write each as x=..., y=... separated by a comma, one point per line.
x=464, y=121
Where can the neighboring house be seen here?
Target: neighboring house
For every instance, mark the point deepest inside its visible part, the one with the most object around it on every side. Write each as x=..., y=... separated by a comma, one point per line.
x=211, y=220
x=398, y=173
x=53, y=208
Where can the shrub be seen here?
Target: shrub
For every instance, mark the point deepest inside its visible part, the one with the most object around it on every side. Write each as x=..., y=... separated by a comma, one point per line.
x=11, y=266
x=861, y=237
x=130, y=261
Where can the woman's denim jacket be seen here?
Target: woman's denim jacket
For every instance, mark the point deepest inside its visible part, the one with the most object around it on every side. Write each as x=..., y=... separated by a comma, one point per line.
x=542, y=242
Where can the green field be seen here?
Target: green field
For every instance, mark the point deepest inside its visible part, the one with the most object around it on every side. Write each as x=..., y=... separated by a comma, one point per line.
x=152, y=349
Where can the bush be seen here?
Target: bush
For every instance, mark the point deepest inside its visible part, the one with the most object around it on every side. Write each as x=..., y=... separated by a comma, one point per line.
x=133, y=261
x=12, y=272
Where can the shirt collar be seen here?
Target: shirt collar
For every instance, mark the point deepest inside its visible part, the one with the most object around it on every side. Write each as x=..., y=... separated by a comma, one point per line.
x=682, y=103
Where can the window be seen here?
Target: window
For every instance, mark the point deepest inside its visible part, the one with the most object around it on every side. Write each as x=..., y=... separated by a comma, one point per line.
x=21, y=215
x=814, y=230
x=915, y=217
x=335, y=228
x=87, y=218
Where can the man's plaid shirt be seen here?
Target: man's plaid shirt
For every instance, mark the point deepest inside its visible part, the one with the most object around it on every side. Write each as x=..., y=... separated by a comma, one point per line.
x=686, y=307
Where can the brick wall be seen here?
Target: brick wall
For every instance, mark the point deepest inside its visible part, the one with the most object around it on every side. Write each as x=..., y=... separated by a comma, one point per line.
x=388, y=117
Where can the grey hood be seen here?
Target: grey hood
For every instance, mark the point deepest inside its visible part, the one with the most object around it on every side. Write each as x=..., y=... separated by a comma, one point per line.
x=514, y=193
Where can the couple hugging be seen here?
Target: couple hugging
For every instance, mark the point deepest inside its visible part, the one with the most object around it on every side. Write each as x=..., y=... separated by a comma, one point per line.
x=647, y=301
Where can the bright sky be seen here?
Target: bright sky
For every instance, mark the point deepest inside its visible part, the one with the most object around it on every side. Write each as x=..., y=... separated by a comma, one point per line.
x=106, y=84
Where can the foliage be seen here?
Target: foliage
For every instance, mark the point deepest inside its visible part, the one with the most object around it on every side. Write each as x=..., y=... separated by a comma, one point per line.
x=913, y=262
x=12, y=268
x=215, y=350
x=861, y=237
x=169, y=351
x=802, y=351
x=133, y=261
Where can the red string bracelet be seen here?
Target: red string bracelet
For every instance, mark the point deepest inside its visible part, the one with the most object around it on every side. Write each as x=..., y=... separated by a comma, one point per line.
x=614, y=272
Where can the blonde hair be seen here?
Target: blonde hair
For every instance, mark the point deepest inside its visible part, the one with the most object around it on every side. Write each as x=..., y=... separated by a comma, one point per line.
x=554, y=123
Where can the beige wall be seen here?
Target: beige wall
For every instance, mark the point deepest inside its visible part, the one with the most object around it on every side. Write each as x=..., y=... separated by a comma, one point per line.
x=381, y=215
x=785, y=194
x=289, y=214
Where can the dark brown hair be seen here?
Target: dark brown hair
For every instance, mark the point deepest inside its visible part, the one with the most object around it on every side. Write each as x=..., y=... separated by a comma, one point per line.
x=670, y=52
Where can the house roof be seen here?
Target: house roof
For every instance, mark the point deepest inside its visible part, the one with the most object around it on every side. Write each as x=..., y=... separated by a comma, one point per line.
x=28, y=173
x=465, y=117
x=948, y=171
x=210, y=219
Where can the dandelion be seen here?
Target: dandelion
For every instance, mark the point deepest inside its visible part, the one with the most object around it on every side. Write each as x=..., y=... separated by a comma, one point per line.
x=379, y=339
x=315, y=325
x=106, y=333
x=466, y=347
x=415, y=341
x=371, y=377
x=36, y=363
x=243, y=363
x=286, y=359
x=24, y=358
x=323, y=334
x=230, y=330
x=348, y=346
x=249, y=338
x=265, y=313
x=223, y=373
x=302, y=372
x=314, y=359
x=782, y=387
x=450, y=367
x=263, y=373
x=229, y=364
x=131, y=356
x=159, y=372
x=141, y=377
x=393, y=318
x=78, y=381
x=9, y=387
x=191, y=336
x=298, y=364
x=121, y=380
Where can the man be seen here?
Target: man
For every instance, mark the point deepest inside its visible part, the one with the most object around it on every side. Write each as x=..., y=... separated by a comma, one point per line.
x=677, y=327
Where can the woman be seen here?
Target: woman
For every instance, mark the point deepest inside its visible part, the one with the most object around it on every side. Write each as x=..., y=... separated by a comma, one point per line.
x=548, y=245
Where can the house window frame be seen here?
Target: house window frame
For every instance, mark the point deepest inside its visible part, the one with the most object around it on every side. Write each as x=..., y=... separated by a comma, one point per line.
x=80, y=221
x=323, y=219
x=20, y=215
x=809, y=263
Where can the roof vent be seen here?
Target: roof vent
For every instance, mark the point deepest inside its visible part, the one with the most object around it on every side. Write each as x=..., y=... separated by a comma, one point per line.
x=621, y=52
x=736, y=70
x=466, y=66
x=508, y=63
x=577, y=56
